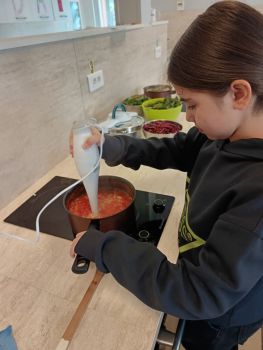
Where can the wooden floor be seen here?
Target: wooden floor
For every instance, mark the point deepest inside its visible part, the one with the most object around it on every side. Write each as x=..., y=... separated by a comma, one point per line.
x=253, y=343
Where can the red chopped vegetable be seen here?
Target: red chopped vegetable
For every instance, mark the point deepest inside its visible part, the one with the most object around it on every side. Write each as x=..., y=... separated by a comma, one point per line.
x=111, y=202
x=162, y=127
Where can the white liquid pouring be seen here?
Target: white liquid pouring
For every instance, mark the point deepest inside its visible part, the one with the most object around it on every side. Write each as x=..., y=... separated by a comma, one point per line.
x=85, y=161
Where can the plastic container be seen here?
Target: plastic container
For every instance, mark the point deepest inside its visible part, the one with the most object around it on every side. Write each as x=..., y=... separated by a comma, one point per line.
x=166, y=114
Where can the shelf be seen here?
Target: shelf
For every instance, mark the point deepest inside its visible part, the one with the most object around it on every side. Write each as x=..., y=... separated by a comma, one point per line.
x=10, y=43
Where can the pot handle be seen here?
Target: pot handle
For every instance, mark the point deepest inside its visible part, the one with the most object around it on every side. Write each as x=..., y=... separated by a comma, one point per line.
x=81, y=264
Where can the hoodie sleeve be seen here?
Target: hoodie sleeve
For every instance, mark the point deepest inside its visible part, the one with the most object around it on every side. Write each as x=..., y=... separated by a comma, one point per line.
x=205, y=290
x=177, y=153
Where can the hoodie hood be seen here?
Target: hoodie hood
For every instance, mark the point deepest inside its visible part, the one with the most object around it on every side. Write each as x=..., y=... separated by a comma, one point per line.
x=246, y=148
x=249, y=148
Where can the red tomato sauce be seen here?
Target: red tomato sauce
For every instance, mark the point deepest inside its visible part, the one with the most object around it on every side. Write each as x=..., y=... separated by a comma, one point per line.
x=111, y=202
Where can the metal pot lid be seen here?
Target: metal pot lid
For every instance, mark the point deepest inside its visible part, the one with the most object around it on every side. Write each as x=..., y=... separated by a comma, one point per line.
x=128, y=127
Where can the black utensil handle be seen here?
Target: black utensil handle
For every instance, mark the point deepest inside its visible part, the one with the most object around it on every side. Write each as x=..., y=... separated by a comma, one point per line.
x=80, y=265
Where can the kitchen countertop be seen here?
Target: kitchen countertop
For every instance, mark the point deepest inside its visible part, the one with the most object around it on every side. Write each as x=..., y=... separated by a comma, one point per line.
x=39, y=294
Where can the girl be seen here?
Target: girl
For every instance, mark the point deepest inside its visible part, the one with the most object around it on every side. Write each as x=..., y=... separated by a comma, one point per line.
x=217, y=283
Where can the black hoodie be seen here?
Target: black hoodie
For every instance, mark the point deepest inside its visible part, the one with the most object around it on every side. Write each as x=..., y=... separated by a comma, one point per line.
x=219, y=273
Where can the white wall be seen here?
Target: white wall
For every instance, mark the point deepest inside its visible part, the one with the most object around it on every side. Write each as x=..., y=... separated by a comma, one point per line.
x=178, y=21
x=170, y=5
x=133, y=12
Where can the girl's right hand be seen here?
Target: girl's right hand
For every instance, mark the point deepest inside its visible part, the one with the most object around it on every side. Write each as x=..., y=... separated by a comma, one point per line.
x=95, y=138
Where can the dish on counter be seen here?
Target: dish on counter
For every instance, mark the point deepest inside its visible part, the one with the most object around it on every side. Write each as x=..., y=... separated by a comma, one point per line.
x=161, y=128
x=162, y=108
x=134, y=103
x=159, y=90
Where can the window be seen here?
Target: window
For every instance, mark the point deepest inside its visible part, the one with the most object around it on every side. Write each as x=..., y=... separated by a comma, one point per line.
x=104, y=13
x=75, y=14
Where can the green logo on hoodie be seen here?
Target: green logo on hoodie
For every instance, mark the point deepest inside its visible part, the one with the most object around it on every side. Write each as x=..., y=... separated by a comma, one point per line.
x=186, y=236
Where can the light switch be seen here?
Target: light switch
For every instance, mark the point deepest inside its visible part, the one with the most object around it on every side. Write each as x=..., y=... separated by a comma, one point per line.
x=180, y=5
x=95, y=80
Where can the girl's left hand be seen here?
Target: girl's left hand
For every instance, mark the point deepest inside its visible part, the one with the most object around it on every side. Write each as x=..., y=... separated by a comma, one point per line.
x=74, y=243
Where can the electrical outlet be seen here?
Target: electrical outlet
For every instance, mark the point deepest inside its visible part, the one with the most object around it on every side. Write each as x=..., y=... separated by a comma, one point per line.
x=180, y=5
x=158, y=51
x=95, y=80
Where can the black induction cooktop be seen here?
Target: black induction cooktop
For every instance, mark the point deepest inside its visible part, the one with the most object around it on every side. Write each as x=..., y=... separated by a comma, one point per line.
x=151, y=209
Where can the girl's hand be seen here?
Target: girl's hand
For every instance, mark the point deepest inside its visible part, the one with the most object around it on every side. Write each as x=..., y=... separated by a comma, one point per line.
x=74, y=243
x=95, y=138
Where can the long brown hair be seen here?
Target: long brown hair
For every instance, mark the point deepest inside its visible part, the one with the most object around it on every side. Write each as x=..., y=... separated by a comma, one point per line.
x=223, y=44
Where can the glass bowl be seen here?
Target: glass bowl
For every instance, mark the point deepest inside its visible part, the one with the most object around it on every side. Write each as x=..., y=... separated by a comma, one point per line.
x=161, y=128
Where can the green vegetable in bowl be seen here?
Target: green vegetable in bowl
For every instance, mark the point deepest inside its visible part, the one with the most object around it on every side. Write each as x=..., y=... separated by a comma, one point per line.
x=135, y=100
x=166, y=103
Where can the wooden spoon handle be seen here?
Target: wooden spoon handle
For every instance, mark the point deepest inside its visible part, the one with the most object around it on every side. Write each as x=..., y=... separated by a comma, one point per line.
x=79, y=313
